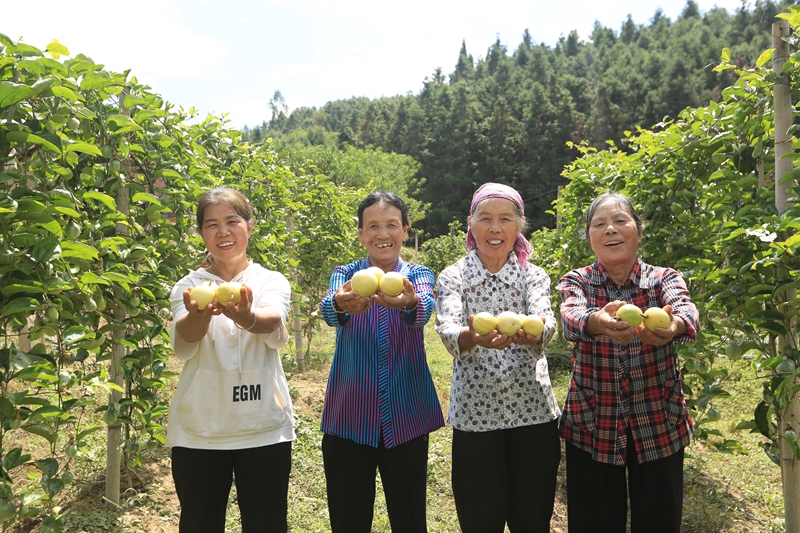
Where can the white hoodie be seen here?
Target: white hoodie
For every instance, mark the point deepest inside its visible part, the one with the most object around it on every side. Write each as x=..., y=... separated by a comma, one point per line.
x=232, y=393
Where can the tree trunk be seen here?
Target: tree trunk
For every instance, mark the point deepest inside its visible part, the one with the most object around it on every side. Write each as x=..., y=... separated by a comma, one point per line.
x=790, y=469
x=297, y=323
x=115, y=373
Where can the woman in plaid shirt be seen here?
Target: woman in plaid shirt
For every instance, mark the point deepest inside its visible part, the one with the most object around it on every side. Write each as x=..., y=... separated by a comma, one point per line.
x=625, y=412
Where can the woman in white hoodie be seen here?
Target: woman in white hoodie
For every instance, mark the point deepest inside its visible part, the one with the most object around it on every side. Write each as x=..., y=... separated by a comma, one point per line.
x=231, y=414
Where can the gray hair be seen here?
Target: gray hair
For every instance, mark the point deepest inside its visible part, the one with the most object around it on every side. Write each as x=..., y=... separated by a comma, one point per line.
x=612, y=197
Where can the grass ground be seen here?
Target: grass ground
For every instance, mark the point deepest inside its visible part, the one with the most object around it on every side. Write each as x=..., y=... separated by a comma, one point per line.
x=724, y=493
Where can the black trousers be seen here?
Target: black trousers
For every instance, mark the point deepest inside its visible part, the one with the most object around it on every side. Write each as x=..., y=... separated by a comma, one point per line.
x=350, y=475
x=506, y=476
x=597, y=494
x=203, y=481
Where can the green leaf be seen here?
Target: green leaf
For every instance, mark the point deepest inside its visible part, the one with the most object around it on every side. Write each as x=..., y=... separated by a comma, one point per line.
x=124, y=123
x=65, y=93
x=78, y=250
x=146, y=197
x=84, y=148
x=770, y=315
x=746, y=424
x=790, y=176
x=48, y=466
x=56, y=47
x=101, y=197
x=96, y=80
x=19, y=305
x=765, y=56
x=27, y=137
x=84, y=433
x=793, y=240
x=725, y=56
x=48, y=248
x=747, y=181
x=761, y=419
x=48, y=411
x=760, y=288
x=14, y=458
x=12, y=93
x=42, y=431
x=32, y=287
x=730, y=445
x=77, y=333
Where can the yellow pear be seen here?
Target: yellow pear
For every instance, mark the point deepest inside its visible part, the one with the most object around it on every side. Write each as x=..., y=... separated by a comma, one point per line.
x=230, y=291
x=483, y=323
x=532, y=324
x=391, y=283
x=364, y=282
x=204, y=294
x=630, y=314
x=655, y=317
x=509, y=323
x=378, y=273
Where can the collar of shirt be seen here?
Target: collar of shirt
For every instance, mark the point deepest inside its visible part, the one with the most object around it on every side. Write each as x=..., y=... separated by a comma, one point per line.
x=598, y=275
x=475, y=273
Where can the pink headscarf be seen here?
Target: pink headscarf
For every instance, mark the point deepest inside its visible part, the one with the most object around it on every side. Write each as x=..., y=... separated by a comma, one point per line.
x=522, y=248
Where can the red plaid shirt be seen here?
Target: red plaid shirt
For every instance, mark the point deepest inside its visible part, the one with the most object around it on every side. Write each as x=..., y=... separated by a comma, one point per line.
x=615, y=387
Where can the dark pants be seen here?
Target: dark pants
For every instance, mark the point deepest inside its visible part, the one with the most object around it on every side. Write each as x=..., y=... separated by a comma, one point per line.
x=506, y=476
x=203, y=482
x=597, y=494
x=350, y=475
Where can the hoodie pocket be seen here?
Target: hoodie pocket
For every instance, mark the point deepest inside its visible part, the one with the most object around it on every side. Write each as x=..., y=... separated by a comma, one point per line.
x=223, y=403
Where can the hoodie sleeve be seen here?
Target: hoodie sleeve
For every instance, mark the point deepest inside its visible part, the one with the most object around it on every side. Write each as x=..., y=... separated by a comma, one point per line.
x=275, y=294
x=183, y=350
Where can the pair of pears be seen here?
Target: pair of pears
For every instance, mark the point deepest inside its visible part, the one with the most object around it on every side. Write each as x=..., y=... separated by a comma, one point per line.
x=507, y=322
x=654, y=317
x=366, y=282
x=208, y=292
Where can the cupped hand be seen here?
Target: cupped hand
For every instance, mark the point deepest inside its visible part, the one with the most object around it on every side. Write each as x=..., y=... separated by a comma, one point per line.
x=526, y=338
x=349, y=300
x=660, y=336
x=210, y=310
x=617, y=330
x=493, y=340
x=406, y=299
x=239, y=312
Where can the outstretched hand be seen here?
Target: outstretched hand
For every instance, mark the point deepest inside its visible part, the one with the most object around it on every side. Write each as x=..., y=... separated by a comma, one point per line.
x=239, y=312
x=661, y=336
x=609, y=325
x=494, y=339
x=406, y=299
x=349, y=301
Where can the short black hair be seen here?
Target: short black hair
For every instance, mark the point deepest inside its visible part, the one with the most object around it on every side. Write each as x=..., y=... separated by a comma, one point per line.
x=386, y=197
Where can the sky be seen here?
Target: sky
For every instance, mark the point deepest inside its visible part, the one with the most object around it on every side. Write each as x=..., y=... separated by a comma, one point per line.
x=230, y=56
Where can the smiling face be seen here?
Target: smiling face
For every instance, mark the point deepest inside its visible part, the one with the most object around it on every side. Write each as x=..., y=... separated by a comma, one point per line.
x=382, y=233
x=225, y=233
x=495, y=226
x=614, y=236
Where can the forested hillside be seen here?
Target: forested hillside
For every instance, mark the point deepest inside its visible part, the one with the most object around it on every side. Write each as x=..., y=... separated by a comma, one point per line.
x=507, y=115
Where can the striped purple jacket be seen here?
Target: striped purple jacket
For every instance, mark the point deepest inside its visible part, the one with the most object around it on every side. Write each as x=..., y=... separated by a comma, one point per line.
x=380, y=385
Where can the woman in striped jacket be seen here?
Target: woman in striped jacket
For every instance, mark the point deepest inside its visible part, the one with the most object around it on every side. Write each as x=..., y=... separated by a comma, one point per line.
x=380, y=403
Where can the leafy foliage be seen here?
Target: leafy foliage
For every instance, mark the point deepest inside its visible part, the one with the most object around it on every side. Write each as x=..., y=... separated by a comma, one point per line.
x=507, y=116
x=441, y=252
x=98, y=180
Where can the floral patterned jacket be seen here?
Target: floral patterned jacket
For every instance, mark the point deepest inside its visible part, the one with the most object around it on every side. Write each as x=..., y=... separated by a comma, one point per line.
x=496, y=389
